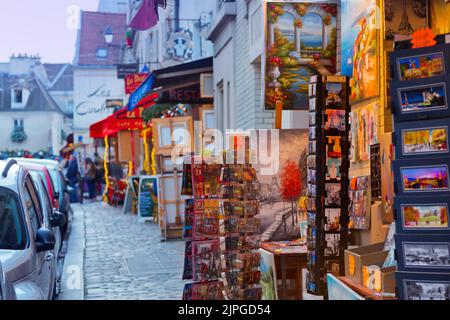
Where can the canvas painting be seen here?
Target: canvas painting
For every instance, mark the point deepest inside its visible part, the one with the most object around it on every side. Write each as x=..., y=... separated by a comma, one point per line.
x=363, y=134
x=422, y=99
x=268, y=276
x=372, y=123
x=425, y=216
x=337, y=290
x=425, y=140
x=301, y=41
x=387, y=178
x=404, y=17
x=353, y=137
x=419, y=179
x=360, y=59
x=290, y=178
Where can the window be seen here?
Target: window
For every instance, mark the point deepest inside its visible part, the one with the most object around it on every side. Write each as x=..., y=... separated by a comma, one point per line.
x=18, y=96
x=18, y=124
x=102, y=53
x=12, y=232
x=32, y=206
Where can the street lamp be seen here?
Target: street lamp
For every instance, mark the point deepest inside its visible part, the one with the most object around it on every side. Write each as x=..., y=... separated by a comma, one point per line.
x=109, y=35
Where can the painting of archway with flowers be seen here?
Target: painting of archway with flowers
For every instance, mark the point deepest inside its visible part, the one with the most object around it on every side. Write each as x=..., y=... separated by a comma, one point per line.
x=301, y=41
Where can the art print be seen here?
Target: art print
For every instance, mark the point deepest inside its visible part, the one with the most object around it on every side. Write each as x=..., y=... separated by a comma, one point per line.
x=426, y=290
x=333, y=194
x=335, y=119
x=421, y=66
x=426, y=254
x=333, y=94
x=423, y=98
x=312, y=90
x=425, y=140
x=312, y=162
x=425, y=179
x=312, y=133
x=404, y=17
x=426, y=216
x=332, y=217
x=334, y=147
x=363, y=135
x=333, y=169
x=372, y=123
x=332, y=245
x=312, y=174
x=206, y=260
x=312, y=118
x=312, y=147
x=312, y=104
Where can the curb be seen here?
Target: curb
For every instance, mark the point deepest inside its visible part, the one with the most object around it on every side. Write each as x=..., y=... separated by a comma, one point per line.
x=72, y=279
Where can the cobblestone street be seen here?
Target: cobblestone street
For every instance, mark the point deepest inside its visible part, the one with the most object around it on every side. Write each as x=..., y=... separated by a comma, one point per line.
x=123, y=258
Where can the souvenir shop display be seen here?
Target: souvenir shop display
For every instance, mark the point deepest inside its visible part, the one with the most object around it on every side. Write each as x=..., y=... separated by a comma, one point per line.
x=327, y=179
x=222, y=254
x=239, y=230
x=420, y=94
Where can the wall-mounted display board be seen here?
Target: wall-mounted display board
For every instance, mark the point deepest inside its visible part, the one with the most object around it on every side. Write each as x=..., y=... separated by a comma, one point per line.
x=327, y=179
x=420, y=94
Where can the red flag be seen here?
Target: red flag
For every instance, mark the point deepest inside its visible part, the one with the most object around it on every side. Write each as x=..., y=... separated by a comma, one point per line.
x=145, y=14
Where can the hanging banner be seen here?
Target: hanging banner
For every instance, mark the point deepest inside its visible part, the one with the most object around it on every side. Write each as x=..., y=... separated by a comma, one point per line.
x=133, y=81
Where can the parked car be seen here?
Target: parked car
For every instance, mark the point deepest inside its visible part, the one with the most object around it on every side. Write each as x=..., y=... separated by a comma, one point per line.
x=26, y=246
x=59, y=183
x=6, y=291
x=52, y=219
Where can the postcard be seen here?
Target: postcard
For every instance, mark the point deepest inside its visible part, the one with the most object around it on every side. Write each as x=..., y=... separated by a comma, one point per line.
x=421, y=66
x=335, y=119
x=333, y=169
x=423, y=98
x=426, y=178
x=425, y=140
x=428, y=216
x=333, y=94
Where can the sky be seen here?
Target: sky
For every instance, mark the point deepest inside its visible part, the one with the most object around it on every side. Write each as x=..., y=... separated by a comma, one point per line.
x=47, y=27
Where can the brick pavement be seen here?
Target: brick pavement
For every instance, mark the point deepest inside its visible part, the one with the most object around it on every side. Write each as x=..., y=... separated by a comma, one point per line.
x=125, y=259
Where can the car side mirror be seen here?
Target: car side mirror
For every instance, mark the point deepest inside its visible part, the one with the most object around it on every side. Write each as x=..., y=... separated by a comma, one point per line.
x=45, y=240
x=58, y=219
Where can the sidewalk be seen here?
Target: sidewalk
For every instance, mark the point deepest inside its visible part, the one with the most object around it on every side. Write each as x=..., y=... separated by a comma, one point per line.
x=119, y=257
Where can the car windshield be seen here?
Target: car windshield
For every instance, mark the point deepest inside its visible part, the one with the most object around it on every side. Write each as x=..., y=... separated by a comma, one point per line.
x=12, y=234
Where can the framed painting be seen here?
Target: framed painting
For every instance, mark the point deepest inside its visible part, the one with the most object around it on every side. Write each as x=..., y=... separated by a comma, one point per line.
x=404, y=17
x=420, y=99
x=424, y=215
x=421, y=139
x=424, y=177
x=301, y=41
x=430, y=253
x=423, y=286
x=360, y=58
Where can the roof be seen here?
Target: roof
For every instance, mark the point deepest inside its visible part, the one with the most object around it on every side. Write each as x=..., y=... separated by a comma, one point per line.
x=60, y=76
x=39, y=100
x=91, y=38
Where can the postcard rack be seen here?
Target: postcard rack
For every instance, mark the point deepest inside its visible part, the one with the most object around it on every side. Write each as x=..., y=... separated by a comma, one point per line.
x=420, y=95
x=328, y=180
x=222, y=254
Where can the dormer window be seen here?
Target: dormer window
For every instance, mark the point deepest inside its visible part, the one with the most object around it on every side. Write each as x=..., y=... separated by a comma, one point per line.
x=102, y=53
x=18, y=98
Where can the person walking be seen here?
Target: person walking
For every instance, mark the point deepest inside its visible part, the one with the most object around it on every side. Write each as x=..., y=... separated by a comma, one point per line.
x=72, y=175
x=89, y=177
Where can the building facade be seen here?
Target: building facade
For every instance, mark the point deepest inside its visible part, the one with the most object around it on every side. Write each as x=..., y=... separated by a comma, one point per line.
x=95, y=71
x=31, y=115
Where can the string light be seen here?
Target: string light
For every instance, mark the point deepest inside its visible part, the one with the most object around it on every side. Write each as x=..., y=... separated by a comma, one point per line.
x=105, y=165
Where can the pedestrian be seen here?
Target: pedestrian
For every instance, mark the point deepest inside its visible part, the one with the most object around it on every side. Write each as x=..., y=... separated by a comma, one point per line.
x=72, y=175
x=89, y=177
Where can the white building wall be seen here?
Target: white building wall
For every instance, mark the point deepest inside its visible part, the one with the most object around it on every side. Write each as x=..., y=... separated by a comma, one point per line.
x=92, y=87
x=43, y=130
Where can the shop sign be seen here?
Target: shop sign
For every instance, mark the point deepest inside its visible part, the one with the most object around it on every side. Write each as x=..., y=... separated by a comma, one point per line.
x=125, y=69
x=189, y=94
x=423, y=37
x=133, y=81
x=129, y=124
x=140, y=92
